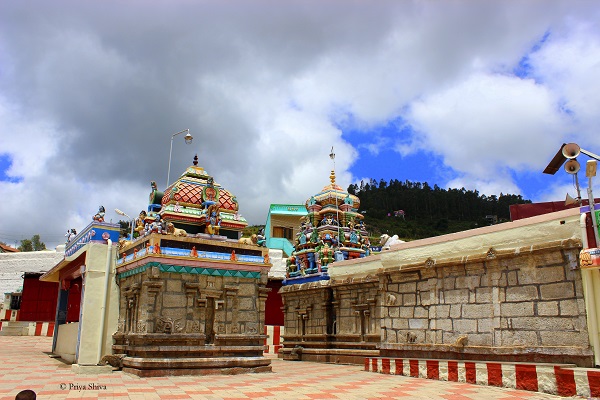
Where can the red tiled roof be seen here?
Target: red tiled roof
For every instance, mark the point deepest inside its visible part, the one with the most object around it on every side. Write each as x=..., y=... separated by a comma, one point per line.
x=7, y=249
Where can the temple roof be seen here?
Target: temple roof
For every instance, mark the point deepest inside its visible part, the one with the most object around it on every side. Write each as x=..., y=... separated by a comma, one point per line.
x=333, y=196
x=188, y=198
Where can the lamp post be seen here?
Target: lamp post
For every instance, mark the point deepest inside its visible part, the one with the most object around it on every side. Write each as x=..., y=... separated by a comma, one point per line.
x=188, y=140
x=131, y=220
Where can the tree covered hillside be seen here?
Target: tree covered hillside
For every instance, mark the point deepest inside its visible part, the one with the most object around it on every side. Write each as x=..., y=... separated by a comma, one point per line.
x=415, y=210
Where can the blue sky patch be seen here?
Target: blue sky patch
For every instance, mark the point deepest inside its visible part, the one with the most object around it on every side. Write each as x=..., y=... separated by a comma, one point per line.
x=5, y=163
x=524, y=69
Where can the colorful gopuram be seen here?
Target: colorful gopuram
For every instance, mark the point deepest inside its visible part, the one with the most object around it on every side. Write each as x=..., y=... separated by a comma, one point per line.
x=192, y=298
x=322, y=323
x=333, y=230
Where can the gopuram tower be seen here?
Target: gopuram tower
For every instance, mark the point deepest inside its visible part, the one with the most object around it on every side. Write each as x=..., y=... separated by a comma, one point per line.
x=324, y=321
x=192, y=299
x=333, y=230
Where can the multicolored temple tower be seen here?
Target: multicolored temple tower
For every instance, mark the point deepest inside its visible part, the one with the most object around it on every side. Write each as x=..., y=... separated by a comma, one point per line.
x=192, y=297
x=323, y=323
x=333, y=230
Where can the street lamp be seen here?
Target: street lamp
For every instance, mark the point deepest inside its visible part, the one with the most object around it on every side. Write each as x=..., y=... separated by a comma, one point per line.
x=188, y=140
x=131, y=220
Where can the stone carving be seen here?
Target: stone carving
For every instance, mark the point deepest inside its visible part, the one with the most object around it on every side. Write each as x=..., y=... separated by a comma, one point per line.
x=121, y=324
x=491, y=253
x=168, y=325
x=154, y=272
x=196, y=326
x=391, y=300
x=141, y=327
x=114, y=360
x=411, y=337
x=251, y=328
x=429, y=263
x=462, y=341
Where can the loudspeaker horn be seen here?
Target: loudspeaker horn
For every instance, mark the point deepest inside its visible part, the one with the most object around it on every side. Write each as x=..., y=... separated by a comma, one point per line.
x=571, y=150
x=572, y=167
x=570, y=201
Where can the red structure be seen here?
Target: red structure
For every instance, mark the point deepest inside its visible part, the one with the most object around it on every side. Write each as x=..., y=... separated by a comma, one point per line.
x=519, y=211
x=38, y=301
x=274, y=304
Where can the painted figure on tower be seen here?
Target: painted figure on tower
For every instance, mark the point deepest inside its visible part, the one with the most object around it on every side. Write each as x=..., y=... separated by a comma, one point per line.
x=332, y=230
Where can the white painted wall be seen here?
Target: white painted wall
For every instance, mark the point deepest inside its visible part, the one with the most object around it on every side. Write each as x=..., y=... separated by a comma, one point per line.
x=13, y=265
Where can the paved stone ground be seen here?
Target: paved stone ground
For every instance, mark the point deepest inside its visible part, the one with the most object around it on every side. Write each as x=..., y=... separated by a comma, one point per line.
x=25, y=364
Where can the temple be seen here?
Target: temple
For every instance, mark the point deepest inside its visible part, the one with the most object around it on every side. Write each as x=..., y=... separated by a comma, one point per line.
x=192, y=298
x=332, y=230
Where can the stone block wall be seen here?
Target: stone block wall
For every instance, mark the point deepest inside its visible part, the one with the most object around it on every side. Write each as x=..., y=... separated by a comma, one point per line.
x=528, y=301
x=357, y=306
x=308, y=312
x=165, y=302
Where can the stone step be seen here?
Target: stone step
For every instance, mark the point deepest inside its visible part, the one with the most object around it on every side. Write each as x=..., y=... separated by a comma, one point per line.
x=12, y=328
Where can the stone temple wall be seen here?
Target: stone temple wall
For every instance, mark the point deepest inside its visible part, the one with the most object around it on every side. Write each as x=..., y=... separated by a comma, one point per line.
x=158, y=302
x=308, y=312
x=191, y=322
x=526, y=302
x=509, y=293
x=357, y=310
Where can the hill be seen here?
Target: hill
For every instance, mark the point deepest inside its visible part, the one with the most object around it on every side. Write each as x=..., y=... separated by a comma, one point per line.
x=415, y=210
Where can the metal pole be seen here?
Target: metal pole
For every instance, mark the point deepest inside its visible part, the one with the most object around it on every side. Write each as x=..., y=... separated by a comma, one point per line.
x=169, y=170
x=593, y=211
x=171, y=152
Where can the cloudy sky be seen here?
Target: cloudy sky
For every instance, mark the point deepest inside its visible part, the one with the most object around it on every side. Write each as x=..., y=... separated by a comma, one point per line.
x=457, y=93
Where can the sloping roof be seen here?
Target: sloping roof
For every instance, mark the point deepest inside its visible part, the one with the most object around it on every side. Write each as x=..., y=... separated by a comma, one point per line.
x=560, y=225
x=7, y=249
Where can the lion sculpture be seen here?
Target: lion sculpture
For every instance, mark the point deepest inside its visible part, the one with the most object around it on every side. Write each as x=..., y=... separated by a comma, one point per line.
x=252, y=240
x=175, y=231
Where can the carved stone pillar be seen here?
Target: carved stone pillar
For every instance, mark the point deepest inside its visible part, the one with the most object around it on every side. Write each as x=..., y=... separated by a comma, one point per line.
x=147, y=315
x=263, y=293
x=131, y=295
x=209, y=303
x=231, y=315
x=192, y=321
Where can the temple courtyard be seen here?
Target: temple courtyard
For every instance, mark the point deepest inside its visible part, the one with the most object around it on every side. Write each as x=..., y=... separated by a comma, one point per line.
x=25, y=363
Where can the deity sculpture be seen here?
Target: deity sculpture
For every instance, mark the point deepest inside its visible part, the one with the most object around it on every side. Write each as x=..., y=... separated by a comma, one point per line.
x=99, y=215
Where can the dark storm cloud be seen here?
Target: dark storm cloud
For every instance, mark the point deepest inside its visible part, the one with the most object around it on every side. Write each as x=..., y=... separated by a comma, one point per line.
x=91, y=92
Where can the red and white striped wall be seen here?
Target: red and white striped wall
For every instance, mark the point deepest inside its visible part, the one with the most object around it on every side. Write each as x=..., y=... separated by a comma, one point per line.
x=273, y=340
x=563, y=380
x=43, y=329
x=10, y=315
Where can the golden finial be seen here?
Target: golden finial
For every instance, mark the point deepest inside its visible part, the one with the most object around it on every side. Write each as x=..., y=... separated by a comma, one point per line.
x=332, y=177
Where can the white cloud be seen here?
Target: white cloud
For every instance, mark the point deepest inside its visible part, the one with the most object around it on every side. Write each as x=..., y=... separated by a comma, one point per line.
x=487, y=125
x=88, y=100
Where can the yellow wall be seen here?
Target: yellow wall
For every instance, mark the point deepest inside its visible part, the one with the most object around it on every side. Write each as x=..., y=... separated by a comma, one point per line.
x=92, y=307
x=66, y=342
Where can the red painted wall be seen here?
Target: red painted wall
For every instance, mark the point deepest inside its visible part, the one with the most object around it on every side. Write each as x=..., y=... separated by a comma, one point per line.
x=273, y=311
x=74, y=300
x=38, y=301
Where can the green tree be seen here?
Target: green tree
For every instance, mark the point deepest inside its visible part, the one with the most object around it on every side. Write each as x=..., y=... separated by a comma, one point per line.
x=33, y=244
